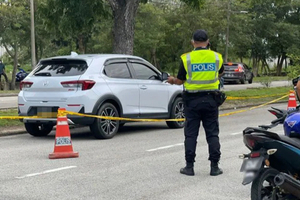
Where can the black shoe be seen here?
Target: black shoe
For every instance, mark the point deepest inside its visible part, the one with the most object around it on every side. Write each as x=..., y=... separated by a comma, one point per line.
x=215, y=170
x=187, y=171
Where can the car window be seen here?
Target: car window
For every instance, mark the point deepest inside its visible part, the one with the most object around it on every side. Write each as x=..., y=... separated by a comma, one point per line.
x=60, y=68
x=143, y=71
x=117, y=70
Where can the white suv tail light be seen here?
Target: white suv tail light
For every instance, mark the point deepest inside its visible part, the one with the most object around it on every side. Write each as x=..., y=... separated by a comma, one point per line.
x=25, y=84
x=83, y=84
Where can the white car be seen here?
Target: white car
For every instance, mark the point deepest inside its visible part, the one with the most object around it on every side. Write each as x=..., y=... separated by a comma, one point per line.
x=97, y=84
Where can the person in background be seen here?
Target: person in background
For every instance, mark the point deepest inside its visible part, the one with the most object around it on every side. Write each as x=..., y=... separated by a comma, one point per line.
x=2, y=71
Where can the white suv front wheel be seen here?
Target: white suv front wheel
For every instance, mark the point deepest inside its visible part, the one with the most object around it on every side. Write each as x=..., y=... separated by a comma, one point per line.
x=105, y=128
x=177, y=112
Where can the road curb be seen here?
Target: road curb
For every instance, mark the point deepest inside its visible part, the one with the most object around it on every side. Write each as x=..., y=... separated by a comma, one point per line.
x=16, y=131
x=9, y=95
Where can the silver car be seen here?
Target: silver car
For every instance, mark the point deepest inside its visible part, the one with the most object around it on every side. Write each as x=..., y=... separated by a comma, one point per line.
x=99, y=84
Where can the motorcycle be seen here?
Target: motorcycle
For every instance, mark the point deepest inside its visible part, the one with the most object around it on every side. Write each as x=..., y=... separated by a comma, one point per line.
x=273, y=164
x=21, y=75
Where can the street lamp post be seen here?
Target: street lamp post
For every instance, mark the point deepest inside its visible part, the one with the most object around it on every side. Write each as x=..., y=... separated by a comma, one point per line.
x=33, y=58
x=229, y=11
x=227, y=31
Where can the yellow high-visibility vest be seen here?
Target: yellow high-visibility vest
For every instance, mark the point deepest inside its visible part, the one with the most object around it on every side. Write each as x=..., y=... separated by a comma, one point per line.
x=202, y=67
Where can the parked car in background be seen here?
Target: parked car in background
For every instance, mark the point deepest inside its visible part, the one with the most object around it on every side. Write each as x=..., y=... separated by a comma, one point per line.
x=238, y=72
x=109, y=85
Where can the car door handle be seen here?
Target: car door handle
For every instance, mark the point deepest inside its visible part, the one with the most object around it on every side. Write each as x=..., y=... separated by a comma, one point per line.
x=143, y=87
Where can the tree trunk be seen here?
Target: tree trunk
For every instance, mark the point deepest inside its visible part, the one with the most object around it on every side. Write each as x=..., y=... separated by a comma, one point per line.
x=280, y=64
x=267, y=66
x=81, y=44
x=277, y=67
x=124, y=13
x=255, y=66
x=154, y=60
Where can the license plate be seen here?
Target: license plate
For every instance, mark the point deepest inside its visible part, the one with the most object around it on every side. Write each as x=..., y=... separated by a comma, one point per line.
x=252, y=164
x=47, y=114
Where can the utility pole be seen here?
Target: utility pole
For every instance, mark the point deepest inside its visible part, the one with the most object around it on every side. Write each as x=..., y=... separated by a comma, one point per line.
x=33, y=58
x=227, y=32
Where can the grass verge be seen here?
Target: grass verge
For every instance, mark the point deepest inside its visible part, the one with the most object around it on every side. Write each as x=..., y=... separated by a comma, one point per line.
x=9, y=122
x=9, y=91
x=255, y=92
x=270, y=78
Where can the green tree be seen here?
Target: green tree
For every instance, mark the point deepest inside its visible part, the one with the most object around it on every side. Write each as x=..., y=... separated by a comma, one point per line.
x=14, y=30
x=149, y=32
x=124, y=13
x=73, y=21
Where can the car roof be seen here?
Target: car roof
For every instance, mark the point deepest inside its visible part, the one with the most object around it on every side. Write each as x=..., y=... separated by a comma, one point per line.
x=92, y=56
x=233, y=63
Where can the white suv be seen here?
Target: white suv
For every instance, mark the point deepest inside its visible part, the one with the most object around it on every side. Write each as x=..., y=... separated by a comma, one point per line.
x=99, y=84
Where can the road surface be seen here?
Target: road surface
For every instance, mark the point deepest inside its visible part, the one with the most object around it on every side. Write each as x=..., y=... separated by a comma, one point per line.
x=141, y=162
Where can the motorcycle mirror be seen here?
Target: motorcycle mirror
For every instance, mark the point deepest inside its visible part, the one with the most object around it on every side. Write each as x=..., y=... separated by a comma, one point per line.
x=279, y=120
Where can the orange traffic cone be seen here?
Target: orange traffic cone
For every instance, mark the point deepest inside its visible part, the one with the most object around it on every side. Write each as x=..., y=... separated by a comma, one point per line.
x=63, y=144
x=292, y=104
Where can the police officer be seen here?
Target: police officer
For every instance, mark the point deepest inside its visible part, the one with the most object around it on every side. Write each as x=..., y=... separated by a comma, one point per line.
x=2, y=72
x=199, y=73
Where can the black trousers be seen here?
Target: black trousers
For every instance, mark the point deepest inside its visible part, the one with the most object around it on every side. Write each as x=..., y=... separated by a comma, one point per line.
x=5, y=76
x=198, y=108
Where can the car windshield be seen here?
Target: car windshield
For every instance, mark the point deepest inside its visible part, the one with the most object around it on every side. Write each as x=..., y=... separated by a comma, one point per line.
x=61, y=68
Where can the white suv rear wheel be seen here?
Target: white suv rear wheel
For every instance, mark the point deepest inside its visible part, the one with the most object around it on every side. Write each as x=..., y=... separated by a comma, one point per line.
x=38, y=130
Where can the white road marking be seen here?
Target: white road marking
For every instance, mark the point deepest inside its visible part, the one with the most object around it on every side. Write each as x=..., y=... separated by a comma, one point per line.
x=46, y=172
x=166, y=147
x=237, y=133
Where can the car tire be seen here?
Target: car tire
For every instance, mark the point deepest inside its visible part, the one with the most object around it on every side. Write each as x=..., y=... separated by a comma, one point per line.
x=105, y=128
x=243, y=80
x=38, y=130
x=177, y=112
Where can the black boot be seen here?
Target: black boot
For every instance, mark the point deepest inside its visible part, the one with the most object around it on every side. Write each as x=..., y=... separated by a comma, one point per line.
x=214, y=169
x=188, y=169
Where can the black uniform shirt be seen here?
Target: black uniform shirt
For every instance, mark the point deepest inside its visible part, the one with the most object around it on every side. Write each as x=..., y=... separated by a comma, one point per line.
x=182, y=73
x=2, y=67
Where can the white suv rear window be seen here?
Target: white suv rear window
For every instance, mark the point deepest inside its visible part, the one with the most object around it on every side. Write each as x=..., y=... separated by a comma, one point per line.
x=61, y=68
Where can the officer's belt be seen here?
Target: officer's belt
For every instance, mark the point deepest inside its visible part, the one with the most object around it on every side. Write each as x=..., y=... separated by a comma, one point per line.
x=200, y=93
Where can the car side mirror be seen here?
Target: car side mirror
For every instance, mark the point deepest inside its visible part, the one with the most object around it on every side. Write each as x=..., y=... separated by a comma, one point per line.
x=164, y=76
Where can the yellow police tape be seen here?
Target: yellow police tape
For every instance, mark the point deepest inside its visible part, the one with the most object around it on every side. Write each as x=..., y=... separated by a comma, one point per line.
x=122, y=118
x=254, y=107
x=254, y=97
x=64, y=113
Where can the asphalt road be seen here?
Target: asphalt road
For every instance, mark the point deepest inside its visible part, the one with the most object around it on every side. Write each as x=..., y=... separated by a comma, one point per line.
x=141, y=162
x=12, y=101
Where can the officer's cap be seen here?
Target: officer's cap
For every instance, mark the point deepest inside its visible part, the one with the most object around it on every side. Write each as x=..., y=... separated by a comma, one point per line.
x=200, y=35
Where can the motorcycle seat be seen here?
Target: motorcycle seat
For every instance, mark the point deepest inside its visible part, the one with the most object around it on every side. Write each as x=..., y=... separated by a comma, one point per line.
x=292, y=141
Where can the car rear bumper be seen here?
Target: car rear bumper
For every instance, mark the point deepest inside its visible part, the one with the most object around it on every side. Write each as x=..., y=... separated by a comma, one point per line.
x=47, y=112
x=233, y=76
x=71, y=119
